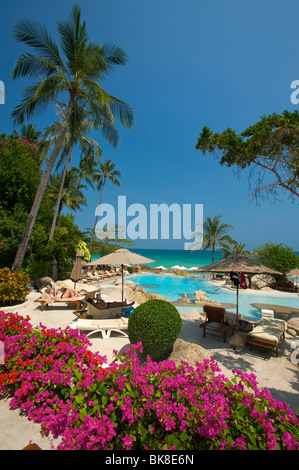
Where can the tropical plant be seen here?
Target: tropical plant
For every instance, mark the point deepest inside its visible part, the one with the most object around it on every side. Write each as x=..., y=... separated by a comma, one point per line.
x=73, y=68
x=156, y=324
x=277, y=256
x=268, y=148
x=82, y=122
x=13, y=287
x=132, y=405
x=215, y=234
x=232, y=248
x=107, y=171
x=71, y=195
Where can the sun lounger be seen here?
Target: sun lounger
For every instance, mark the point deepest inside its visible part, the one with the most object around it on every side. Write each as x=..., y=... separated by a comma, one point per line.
x=267, y=334
x=46, y=300
x=216, y=321
x=105, y=327
x=109, y=312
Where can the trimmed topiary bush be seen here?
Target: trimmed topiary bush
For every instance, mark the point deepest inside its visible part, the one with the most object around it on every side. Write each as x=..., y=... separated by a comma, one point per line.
x=157, y=324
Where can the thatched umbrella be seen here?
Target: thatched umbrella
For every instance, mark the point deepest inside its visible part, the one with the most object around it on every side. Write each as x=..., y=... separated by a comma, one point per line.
x=238, y=264
x=121, y=257
x=77, y=273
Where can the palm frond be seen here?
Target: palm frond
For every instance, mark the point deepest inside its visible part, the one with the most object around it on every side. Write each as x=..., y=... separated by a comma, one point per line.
x=35, y=35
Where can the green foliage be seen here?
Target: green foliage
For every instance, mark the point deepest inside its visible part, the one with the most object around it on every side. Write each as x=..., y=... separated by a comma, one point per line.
x=157, y=324
x=277, y=256
x=269, y=147
x=84, y=250
x=13, y=287
x=19, y=171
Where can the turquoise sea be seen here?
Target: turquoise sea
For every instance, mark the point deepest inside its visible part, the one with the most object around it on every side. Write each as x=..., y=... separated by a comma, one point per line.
x=189, y=259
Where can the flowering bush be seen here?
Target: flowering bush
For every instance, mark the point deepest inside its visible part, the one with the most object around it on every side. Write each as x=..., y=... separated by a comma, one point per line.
x=63, y=386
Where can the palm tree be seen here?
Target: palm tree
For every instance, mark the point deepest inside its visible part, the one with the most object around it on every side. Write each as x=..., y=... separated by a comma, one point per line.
x=74, y=68
x=234, y=247
x=214, y=234
x=107, y=171
x=72, y=196
x=81, y=122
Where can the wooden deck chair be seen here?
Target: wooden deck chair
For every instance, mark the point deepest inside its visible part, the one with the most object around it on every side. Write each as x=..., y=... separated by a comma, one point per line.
x=216, y=321
x=267, y=334
x=46, y=300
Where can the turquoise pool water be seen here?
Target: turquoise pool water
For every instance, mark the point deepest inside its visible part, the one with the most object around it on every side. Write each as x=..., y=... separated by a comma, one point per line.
x=173, y=287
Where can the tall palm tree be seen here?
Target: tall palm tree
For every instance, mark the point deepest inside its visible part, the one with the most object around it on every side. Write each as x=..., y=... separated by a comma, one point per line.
x=72, y=196
x=232, y=248
x=81, y=123
x=73, y=69
x=107, y=171
x=214, y=234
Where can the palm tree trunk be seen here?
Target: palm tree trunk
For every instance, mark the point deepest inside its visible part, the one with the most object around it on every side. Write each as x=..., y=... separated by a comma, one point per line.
x=94, y=228
x=41, y=189
x=60, y=193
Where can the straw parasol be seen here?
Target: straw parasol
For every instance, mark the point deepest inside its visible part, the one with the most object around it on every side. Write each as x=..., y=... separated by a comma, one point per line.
x=77, y=273
x=121, y=257
x=294, y=272
x=238, y=263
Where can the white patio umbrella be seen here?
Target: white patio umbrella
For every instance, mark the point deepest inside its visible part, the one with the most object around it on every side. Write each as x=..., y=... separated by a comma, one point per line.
x=121, y=257
x=160, y=267
x=194, y=268
x=176, y=267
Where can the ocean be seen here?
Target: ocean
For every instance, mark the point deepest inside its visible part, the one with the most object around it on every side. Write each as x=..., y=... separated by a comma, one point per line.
x=169, y=258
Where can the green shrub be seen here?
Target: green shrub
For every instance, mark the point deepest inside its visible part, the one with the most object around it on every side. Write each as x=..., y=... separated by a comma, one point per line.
x=157, y=324
x=13, y=287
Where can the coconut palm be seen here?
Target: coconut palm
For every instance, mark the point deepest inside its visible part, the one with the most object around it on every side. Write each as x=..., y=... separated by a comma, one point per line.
x=73, y=69
x=81, y=123
x=215, y=234
x=72, y=196
x=106, y=171
x=232, y=248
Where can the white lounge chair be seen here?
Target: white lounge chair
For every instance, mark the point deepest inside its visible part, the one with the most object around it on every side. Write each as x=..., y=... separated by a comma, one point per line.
x=103, y=326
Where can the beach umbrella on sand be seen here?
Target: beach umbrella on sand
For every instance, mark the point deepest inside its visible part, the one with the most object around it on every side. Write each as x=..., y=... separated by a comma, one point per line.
x=238, y=264
x=122, y=257
x=194, y=268
x=77, y=273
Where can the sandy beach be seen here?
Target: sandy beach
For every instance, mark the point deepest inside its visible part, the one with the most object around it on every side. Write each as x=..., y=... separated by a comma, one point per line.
x=276, y=374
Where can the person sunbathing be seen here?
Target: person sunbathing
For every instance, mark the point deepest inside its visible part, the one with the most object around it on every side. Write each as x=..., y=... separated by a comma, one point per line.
x=102, y=304
x=69, y=293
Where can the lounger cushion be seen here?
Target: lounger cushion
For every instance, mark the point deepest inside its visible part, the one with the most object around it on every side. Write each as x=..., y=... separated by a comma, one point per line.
x=87, y=325
x=269, y=330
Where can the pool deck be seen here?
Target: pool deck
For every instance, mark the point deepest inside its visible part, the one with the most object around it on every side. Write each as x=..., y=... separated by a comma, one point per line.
x=278, y=374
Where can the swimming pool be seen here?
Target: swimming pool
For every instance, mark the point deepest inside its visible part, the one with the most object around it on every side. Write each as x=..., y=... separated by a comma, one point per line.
x=173, y=287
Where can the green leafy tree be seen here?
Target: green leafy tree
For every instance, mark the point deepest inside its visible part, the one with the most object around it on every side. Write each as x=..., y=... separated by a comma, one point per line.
x=269, y=148
x=74, y=68
x=277, y=256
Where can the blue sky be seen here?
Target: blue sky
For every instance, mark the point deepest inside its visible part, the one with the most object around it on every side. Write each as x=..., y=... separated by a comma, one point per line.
x=191, y=63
